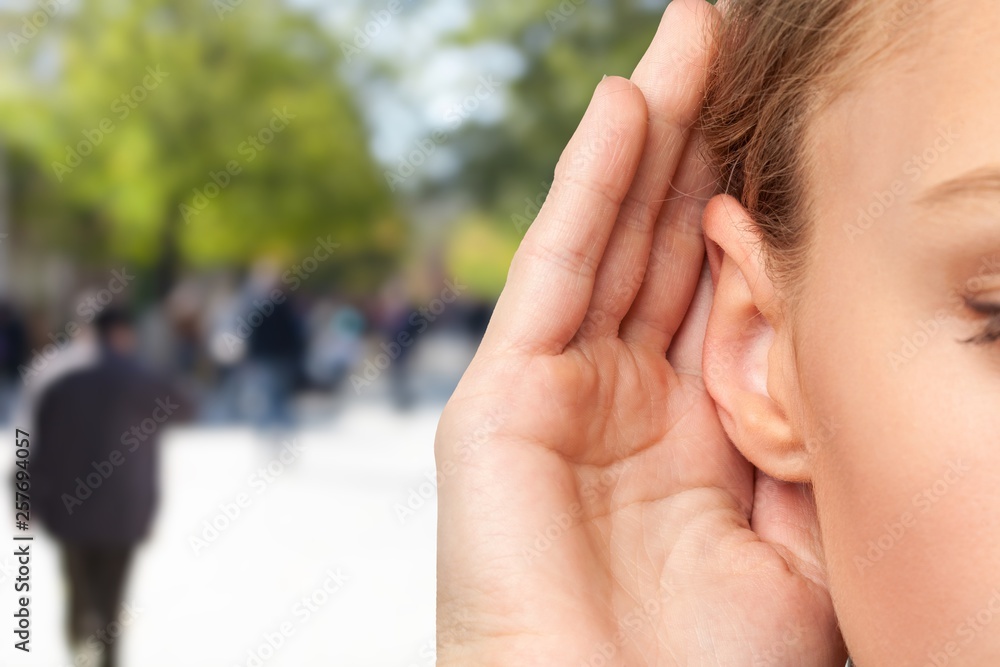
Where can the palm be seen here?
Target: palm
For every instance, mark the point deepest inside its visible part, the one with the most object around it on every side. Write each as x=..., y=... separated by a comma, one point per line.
x=615, y=524
x=592, y=510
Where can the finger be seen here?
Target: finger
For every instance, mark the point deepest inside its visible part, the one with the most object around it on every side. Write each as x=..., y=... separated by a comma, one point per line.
x=785, y=514
x=686, y=349
x=675, y=260
x=672, y=78
x=551, y=277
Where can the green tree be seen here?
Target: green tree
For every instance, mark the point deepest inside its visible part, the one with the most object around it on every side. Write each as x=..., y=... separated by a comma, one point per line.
x=567, y=46
x=185, y=132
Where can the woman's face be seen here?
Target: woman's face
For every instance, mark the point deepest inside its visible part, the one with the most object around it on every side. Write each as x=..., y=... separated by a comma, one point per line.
x=907, y=206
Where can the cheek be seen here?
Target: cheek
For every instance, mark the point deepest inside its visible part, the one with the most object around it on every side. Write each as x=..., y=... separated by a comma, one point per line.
x=907, y=480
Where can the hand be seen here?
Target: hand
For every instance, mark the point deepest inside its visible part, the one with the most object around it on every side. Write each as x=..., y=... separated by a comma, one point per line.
x=591, y=509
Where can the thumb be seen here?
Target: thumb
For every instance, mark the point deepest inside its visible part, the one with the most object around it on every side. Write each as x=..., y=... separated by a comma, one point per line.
x=784, y=515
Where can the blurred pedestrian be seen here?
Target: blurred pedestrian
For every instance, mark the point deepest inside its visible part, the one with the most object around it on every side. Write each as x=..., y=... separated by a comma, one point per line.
x=336, y=345
x=13, y=351
x=275, y=350
x=94, y=475
x=398, y=324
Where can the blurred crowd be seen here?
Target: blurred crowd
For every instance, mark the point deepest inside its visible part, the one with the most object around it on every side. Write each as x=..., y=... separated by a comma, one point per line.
x=91, y=383
x=250, y=349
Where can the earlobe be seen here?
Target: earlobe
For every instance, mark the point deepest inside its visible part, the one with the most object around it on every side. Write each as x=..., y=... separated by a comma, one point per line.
x=748, y=360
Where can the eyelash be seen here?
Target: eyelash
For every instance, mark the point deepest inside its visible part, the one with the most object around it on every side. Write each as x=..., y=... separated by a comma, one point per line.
x=992, y=332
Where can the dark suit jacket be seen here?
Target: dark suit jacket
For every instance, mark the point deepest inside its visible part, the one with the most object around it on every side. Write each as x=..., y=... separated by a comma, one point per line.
x=94, y=455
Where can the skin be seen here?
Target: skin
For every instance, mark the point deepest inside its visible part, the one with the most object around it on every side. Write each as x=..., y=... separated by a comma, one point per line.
x=599, y=505
x=591, y=509
x=917, y=424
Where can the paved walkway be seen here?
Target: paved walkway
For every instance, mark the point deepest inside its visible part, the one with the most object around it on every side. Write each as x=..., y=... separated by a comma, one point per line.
x=308, y=564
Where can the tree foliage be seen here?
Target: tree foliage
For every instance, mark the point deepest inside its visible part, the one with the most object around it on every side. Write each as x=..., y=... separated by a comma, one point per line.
x=186, y=132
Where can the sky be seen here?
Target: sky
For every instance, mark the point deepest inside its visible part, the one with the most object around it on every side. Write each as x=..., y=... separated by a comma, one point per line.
x=437, y=82
x=433, y=84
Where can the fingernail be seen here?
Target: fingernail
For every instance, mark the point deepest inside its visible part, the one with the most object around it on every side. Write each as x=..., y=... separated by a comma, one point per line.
x=604, y=77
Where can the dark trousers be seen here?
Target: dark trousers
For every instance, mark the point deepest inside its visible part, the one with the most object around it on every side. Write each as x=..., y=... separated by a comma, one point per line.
x=96, y=577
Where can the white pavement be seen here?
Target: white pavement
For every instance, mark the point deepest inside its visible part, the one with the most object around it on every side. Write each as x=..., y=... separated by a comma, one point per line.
x=318, y=560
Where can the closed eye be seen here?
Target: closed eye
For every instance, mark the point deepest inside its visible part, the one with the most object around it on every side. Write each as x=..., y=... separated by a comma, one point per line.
x=991, y=334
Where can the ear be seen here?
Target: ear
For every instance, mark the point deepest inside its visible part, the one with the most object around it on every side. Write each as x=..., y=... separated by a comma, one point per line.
x=749, y=360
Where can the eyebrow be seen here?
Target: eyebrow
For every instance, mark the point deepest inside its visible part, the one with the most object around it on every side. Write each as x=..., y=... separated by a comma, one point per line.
x=978, y=184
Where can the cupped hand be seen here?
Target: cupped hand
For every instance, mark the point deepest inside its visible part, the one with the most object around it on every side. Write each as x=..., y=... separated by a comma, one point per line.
x=591, y=509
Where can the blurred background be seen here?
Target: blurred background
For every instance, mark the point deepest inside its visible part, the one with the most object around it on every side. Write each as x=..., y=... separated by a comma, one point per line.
x=298, y=215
